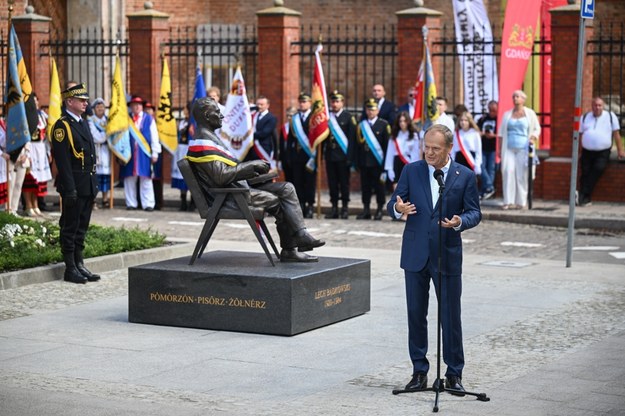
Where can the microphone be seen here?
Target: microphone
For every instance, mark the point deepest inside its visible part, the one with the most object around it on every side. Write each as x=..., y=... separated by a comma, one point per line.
x=438, y=175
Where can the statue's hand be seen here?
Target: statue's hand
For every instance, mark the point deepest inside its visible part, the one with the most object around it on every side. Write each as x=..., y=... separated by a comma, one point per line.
x=260, y=166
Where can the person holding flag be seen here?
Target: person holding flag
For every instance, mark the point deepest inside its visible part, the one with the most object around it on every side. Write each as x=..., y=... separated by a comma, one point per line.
x=373, y=137
x=301, y=156
x=338, y=150
x=145, y=147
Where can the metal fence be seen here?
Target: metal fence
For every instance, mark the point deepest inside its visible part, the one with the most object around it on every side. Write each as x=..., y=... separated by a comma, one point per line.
x=354, y=58
x=88, y=55
x=607, y=47
x=217, y=49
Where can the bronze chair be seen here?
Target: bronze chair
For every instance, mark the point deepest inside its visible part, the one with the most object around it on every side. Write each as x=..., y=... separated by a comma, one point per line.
x=210, y=204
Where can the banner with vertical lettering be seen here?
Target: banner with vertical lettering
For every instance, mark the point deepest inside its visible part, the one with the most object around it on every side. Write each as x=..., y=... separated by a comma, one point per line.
x=237, y=130
x=519, y=31
x=474, y=42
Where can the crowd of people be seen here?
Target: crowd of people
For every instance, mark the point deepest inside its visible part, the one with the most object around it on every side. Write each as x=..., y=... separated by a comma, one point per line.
x=376, y=144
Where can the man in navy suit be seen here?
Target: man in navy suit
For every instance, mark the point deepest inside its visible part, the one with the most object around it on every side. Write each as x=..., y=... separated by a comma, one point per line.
x=387, y=109
x=264, y=133
x=416, y=197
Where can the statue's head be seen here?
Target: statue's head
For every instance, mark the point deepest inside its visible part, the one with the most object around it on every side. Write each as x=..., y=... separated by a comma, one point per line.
x=206, y=113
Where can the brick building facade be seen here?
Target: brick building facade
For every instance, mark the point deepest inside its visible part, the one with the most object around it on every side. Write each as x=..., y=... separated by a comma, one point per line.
x=276, y=30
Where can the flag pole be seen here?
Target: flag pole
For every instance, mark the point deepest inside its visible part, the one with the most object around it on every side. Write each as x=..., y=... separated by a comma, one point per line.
x=424, y=108
x=6, y=112
x=319, y=147
x=112, y=168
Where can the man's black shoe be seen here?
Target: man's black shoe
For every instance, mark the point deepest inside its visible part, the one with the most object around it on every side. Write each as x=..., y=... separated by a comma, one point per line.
x=92, y=277
x=306, y=242
x=291, y=255
x=419, y=382
x=454, y=383
x=74, y=276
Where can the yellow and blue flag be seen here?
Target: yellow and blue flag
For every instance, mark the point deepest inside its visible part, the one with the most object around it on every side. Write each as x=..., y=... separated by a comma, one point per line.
x=18, y=133
x=54, y=106
x=165, y=121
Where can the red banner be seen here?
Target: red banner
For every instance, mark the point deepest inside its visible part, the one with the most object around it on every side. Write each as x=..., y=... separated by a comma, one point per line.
x=318, y=128
x=519, y=31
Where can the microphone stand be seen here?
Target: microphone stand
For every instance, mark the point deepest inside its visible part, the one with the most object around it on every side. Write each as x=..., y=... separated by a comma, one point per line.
x=439, y=384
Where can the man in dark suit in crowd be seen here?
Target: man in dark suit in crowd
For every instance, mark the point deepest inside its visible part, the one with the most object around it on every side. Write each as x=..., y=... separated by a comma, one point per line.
x=409, y=106
x=74, y=153
x=264, y=133
x=338, y=150
x=416, y=196
x=373, y=136
x=387, y=110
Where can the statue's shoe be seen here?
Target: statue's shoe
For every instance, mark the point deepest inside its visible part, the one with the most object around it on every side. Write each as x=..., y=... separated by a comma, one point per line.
x=291, y=255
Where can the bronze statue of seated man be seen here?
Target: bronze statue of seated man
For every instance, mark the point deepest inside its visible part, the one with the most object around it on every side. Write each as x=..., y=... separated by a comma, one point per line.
x=216, y=167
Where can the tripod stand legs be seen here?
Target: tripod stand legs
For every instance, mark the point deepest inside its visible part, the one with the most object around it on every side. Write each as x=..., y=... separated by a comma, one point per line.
x=438, y=387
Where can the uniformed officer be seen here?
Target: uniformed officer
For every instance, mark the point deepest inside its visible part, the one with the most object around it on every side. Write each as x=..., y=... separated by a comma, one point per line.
x=304, y=172
x=74, y=152
x=338, y=150
x=373, y=136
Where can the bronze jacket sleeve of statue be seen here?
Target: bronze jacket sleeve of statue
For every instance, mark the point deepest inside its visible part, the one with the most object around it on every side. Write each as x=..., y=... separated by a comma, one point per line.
x=224, y=175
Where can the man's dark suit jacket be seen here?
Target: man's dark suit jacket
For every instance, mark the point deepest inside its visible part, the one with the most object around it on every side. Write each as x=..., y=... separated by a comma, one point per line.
x=265, y=135
x=420, y=238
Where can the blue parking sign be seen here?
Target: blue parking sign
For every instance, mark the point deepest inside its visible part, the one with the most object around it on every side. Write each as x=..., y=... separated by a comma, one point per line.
x=588, y=9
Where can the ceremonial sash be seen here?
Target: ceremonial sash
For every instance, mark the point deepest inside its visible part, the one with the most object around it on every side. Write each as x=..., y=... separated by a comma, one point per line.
x=285, y=131
x=97, y=125
x=467, y=154
x=401, y=155
x=338, y=133
x=136, y=134
x=208, y=151
x=372, y=141
x=303, y=141
x=262, y=154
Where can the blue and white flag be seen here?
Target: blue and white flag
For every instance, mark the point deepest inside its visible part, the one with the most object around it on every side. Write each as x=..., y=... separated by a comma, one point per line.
x=17, y=124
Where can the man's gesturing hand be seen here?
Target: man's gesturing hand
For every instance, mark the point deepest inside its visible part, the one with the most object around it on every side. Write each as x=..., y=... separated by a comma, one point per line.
x=404, y=207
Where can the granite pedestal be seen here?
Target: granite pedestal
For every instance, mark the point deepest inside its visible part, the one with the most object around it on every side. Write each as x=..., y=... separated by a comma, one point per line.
x=237, y=291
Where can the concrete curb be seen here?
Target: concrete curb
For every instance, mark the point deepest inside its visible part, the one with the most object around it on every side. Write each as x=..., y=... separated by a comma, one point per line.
x=51, y=272
x=562, y=222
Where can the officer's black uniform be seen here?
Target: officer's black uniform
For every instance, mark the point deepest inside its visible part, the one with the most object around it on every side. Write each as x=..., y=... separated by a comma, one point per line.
x=370, y=169
x=304, y=179
x=338, y=163
x=74, y=153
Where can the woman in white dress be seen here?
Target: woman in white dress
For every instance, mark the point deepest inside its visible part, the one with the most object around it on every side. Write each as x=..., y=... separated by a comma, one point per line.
x=467, y=149
x=403, y=147
x=37, y=176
